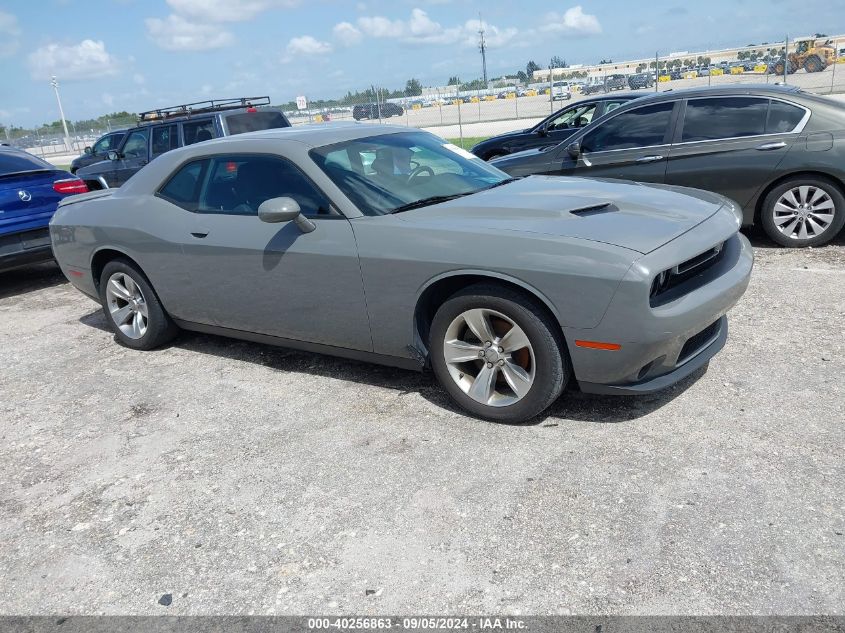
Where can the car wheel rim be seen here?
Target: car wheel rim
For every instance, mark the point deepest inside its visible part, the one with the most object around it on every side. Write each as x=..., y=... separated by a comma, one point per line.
x=127, y=305
x=804, y=212
x=489, y=357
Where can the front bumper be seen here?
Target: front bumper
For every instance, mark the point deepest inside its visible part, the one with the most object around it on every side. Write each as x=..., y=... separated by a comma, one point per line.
x=662, y=344
x=658, y=383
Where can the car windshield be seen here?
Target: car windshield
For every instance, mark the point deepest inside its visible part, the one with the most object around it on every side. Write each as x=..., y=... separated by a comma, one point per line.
x=13, y=163
x=388, y=173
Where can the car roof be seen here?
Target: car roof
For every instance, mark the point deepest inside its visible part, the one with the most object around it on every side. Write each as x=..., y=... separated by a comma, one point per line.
x=319, y=134
x=734, y=89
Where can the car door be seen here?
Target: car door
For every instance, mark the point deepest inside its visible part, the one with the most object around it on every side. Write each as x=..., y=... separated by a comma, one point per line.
x=632, y=145
x=133, y=154
x=732, y=144
x=273, y=279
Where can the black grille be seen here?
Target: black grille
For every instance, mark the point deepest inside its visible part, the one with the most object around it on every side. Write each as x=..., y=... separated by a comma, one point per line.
x=698, y=341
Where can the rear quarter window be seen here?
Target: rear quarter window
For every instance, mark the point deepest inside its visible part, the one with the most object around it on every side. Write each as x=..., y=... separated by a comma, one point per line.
x=12, y=162
x=255, y=121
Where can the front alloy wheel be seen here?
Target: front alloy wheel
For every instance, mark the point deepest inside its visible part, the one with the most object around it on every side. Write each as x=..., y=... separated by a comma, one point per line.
x=498, y=352
x=489, y=357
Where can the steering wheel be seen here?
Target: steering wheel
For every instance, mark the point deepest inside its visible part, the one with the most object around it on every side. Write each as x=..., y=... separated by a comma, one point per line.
x=423, y=169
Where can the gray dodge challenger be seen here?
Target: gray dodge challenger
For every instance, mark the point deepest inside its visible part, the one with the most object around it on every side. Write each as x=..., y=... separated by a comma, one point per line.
x=391, y=245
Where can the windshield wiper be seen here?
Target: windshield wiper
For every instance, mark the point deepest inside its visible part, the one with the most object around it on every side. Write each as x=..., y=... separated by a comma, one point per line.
x=429, y=201
x=503, y=182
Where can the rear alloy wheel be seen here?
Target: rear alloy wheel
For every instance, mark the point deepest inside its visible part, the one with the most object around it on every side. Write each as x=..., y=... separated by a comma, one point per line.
x=498, y=354
x=132, y=308
x=803, y=212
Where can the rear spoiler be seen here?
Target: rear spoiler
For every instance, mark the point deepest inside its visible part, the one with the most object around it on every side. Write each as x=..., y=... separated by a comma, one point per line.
x=82, y=197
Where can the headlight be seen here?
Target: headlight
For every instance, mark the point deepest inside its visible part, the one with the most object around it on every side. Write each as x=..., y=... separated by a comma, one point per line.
x=660, y=283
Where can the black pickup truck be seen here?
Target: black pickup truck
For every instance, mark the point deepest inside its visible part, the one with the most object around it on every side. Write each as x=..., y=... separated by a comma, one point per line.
x=159, y=131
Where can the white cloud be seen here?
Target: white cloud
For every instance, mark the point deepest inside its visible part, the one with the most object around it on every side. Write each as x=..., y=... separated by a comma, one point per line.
x=175, y=33
x=573, y=22
x=226, y=10
x=307, y=45
x=346, y=34
x=86, y=60
x=421, y=29
x=9, y=34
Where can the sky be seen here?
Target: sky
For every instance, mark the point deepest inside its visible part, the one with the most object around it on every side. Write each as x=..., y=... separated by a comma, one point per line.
x=112, y=55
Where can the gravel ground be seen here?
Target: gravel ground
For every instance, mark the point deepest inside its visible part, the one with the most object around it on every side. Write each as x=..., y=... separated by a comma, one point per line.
x=246, y=479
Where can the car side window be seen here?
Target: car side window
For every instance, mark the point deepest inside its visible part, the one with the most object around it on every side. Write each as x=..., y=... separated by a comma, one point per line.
x=576, y=117
x=238, y=184
x=610, y=106
x=183, y=187
x=783, y=117
x=105, y=144
x=164, y=139
x=198, y=130
x=641, y=127
x=136, y=144
x=724, y=117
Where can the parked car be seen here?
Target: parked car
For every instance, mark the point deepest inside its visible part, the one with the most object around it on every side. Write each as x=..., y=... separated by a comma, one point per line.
x=277, y=238
x=160, y=131
x=592, y=89
x=30, y=190
x=561, y=91
x=377, y=111
x=616, y=82
x=641, y=80
x=778, y=151
x=98, y=151
x=551, y=130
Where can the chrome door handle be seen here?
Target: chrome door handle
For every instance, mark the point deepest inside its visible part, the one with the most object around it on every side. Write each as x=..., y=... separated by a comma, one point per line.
x=649, y=159
x=765, y=147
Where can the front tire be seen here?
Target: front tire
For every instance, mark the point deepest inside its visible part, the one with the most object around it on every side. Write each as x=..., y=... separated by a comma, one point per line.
x=498, y=353
x=132, y=307
x=803, y=212
x=813, y=64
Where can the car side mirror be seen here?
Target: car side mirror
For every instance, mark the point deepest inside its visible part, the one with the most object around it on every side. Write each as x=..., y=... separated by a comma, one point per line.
x=543, y=130
x=114, y=155
x=284, y=209
x=574, y=150
x=87, y=150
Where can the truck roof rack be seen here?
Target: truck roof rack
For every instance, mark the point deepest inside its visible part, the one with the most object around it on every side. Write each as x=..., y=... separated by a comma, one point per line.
x=202, y=107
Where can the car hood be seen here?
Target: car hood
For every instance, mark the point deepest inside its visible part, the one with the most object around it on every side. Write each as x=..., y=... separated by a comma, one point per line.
x=95, y=169
x=636, y=216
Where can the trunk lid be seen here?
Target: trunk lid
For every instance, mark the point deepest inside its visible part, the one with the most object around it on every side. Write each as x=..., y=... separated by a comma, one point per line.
x=27, y=200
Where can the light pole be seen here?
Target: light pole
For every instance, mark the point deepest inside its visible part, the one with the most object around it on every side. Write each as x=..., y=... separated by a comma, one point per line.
x=55, y=83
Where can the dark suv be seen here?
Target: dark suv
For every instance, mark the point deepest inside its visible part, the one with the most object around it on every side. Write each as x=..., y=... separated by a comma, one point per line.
x=377, y=111
x=99, y=151
x=616, y=82
x=641, y=80
x=162, y=130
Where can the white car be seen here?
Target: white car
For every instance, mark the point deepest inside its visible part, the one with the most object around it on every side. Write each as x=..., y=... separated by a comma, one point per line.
x=561, y=91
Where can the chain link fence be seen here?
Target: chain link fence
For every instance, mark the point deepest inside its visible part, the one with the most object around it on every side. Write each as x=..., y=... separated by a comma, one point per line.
x=467, y=116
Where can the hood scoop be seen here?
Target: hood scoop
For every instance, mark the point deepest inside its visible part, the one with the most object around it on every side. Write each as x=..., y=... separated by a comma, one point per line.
x=594, y=209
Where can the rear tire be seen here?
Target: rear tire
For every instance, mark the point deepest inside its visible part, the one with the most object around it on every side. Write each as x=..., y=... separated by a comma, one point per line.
x=132, y=308
x=518, y=382
x=803, y=211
